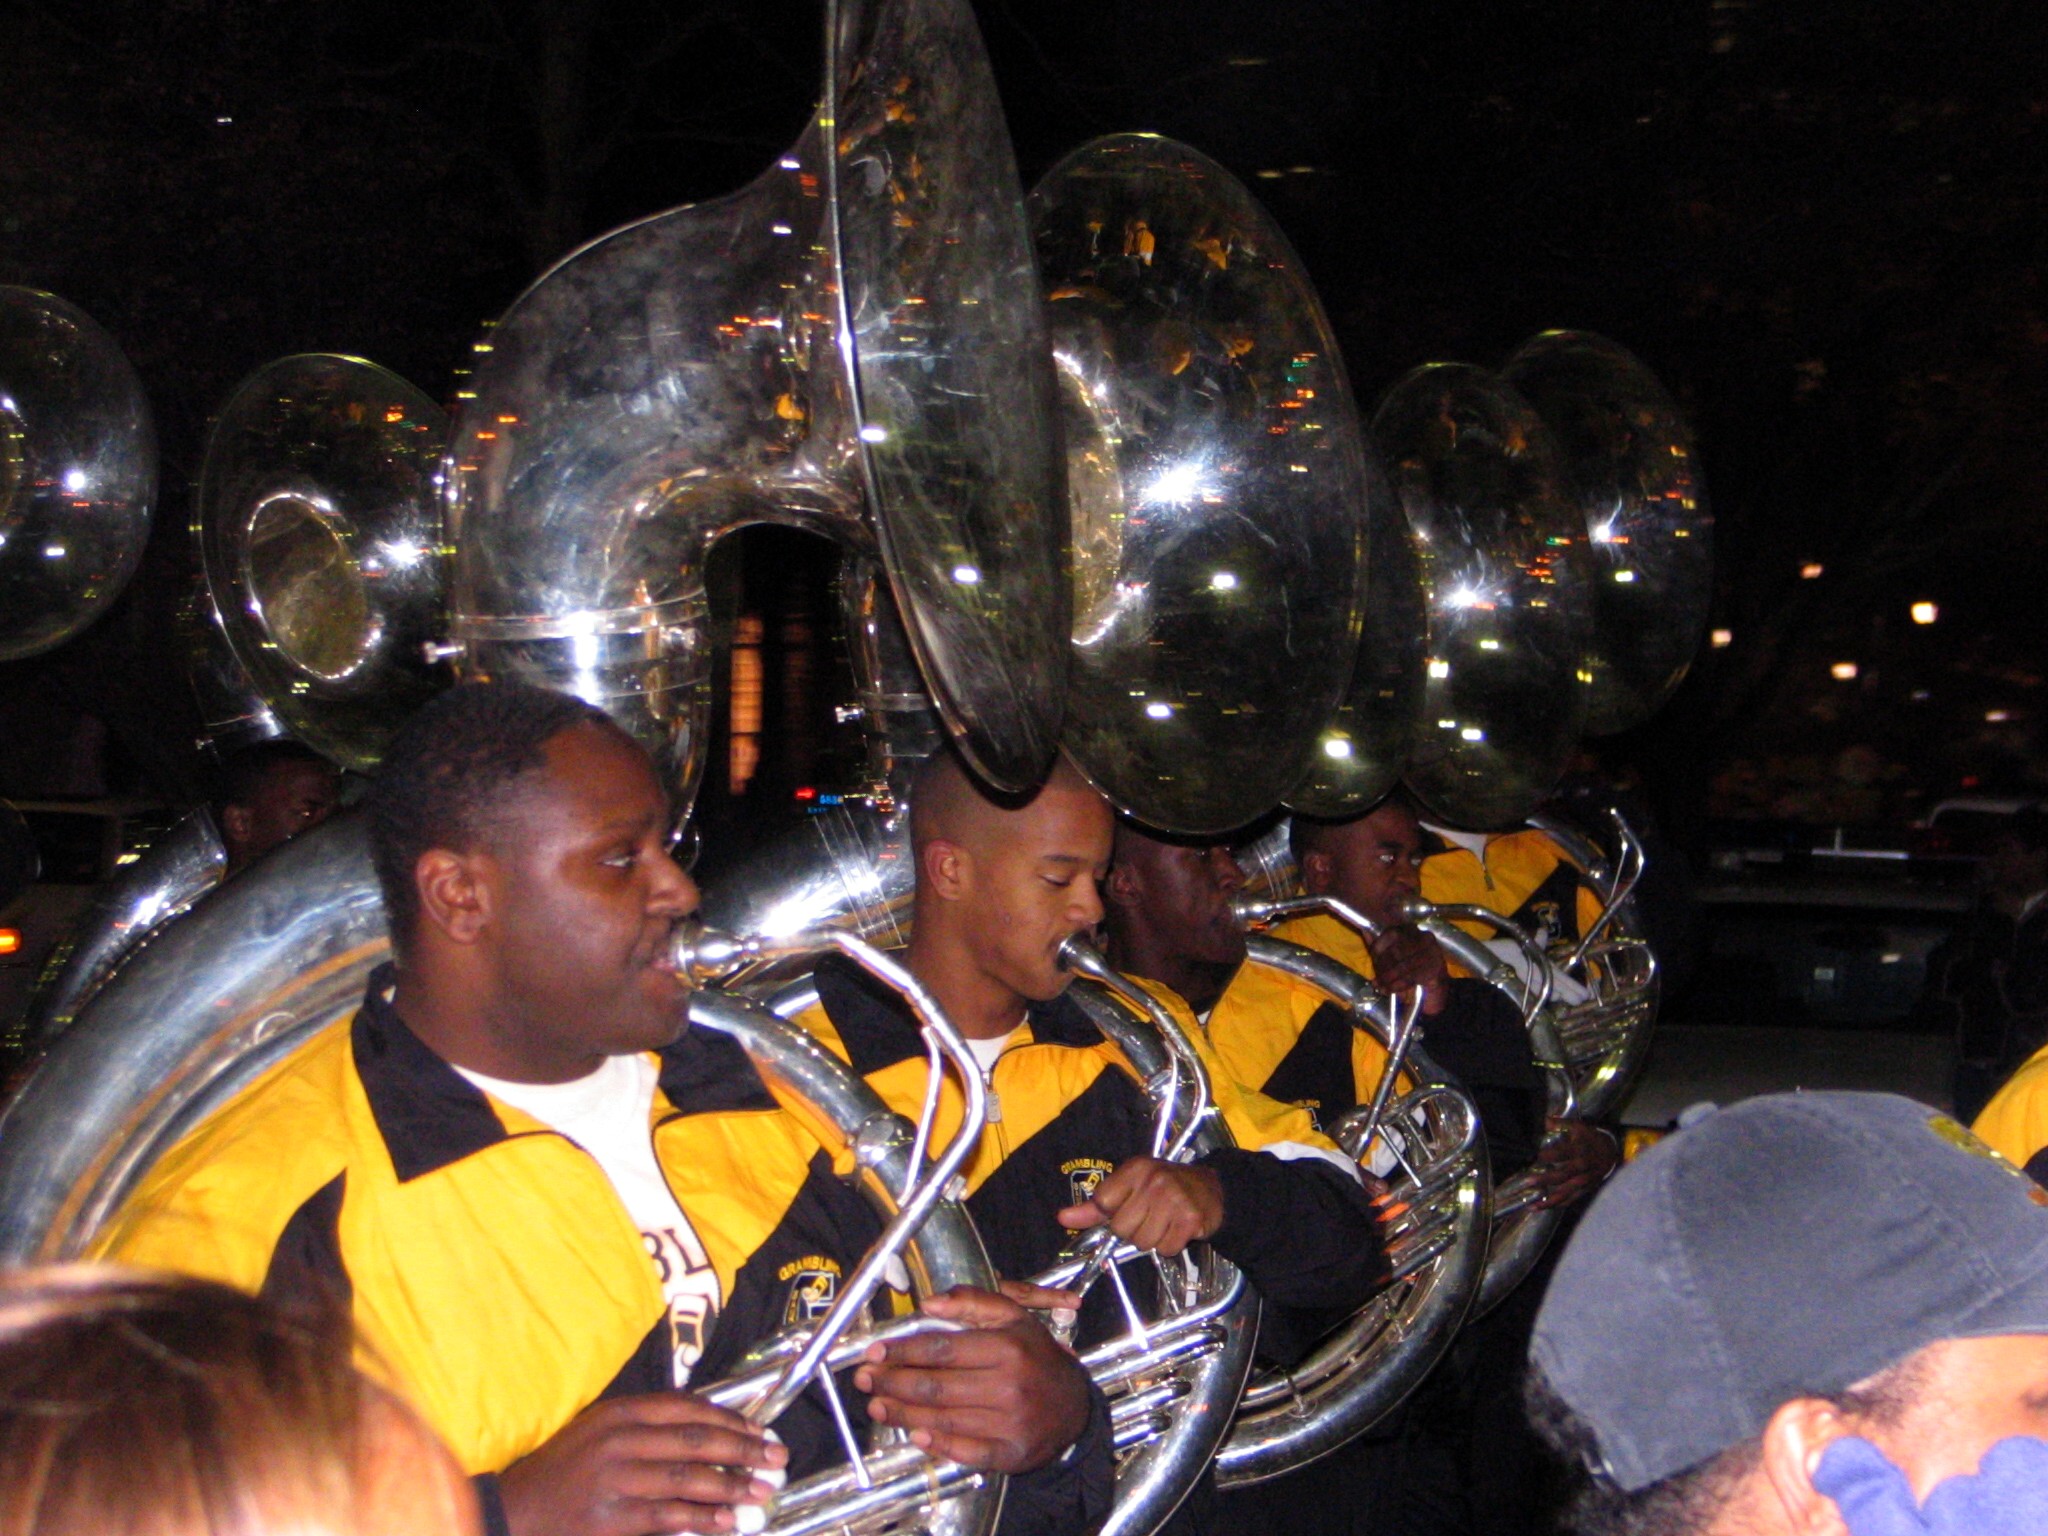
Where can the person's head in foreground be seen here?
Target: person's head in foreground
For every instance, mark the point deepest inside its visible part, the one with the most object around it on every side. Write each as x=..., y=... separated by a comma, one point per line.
x=155, y=1406
x=1800, y=1315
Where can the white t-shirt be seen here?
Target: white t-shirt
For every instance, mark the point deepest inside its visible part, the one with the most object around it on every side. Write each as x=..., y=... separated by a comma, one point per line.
x=607, y=1114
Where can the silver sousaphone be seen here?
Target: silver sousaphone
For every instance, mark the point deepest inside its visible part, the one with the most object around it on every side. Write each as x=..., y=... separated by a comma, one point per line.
x=1219, y=479
x=1519, y=1229
x=1630, y=464
x=1172, y=1377
x=1505, y=583
x=319, y=529
x=77, y=471
x=854, y=345
x=319, y=535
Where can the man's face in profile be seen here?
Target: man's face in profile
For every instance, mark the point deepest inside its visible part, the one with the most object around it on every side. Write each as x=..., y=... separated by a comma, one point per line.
x=293, y=797
x=1963, y=1397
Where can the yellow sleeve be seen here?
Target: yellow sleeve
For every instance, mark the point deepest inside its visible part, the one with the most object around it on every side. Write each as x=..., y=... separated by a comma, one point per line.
x=2015, y=1122
x=215, y=1205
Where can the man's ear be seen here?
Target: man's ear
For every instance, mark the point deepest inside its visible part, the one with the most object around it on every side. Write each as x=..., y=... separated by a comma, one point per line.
x=236, y=823
x=455, y=892
x=1798, y=1434
x=1315, y=872
x=1123, y=887
x=948, y=868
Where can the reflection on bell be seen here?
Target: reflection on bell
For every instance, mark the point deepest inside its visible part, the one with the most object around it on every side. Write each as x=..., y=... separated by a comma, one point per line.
x=320, y=534
x=77, y=471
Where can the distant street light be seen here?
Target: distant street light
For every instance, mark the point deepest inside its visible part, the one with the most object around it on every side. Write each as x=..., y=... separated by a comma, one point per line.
x=1810, y=571
x=1844, y=671
x=1721, y=639
x=1925, y=613
x=1997, y=716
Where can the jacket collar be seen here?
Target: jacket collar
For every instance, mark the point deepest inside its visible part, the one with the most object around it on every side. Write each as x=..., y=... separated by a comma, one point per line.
x=879, y=1030
x=430, y=1115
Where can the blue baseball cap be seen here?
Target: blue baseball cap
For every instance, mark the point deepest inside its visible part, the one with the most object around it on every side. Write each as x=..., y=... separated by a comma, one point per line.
x=1788, y=1246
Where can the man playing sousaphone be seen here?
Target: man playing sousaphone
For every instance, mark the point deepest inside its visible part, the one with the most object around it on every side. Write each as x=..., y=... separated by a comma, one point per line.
x=999, y=890
x=552, y=1209
x=1469, y=1452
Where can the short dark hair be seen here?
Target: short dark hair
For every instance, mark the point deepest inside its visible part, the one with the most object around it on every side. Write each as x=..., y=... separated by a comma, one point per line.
x=448, y=769
x=1305, y=833
x=242, y=776
x=1687, y=1502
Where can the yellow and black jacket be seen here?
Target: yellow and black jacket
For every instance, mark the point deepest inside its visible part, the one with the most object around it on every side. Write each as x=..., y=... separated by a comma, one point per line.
x=1066, y=1108
x=1524, y=876
x=493, y=1274
x=2015, y=1122
x=1277, y=1031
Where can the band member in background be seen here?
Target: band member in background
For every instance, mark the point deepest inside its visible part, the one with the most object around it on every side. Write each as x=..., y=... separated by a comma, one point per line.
x=1993, y=976
x=549, y=1207
x=999, y=889
x=270, y=793
x=1523, y=875
x=1472, y=1464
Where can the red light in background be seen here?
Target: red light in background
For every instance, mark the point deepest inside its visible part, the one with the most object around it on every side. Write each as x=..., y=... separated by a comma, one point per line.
x=807, y=793
x=10, y=941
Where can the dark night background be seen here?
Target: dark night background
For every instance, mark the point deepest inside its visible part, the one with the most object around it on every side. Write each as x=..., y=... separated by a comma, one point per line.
x=1820, y=223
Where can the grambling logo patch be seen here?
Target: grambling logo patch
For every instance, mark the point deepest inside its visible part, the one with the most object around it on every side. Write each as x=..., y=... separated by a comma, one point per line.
x=1084, y=1177
x=813, y=1282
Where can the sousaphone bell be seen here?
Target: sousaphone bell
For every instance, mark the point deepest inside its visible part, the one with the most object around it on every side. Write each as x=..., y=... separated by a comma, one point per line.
x=77, y=471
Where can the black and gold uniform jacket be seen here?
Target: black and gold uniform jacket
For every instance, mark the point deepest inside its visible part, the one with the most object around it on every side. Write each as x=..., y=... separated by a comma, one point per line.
x=494, y=1276
x=1066, y=1108
x=2016, y=1120
x=1524, y=875
x=1278, y=1032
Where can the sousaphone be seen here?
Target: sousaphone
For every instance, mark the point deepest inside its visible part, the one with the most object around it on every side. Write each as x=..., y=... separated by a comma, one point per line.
x=1506, y=591
x=853, y=344
x=319, y=530
x=1630, y=464
x=1220, y=483
x=77, y=471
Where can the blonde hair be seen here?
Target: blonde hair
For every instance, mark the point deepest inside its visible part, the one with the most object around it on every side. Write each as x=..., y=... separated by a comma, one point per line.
x=157, y=1405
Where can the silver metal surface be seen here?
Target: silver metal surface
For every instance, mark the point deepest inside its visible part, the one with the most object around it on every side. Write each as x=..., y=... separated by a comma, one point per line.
x=1630, y=463
x=1506, y=583
x=232, y=711
x=77, y=471
x=1217, y=473
x=1437, y=1249
x=1363, y=748
x=858, y=328
x=1607, y=1037
x=319, y=530
x=270, y=958
x=173, y=873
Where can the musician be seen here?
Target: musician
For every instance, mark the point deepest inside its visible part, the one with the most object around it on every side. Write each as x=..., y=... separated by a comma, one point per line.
x=548, y=1205
x=999, y=889
x=1374, y=864
x=270, y=793
x=1523, y=875
x=1805, y=1315
x=1475, y=1465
